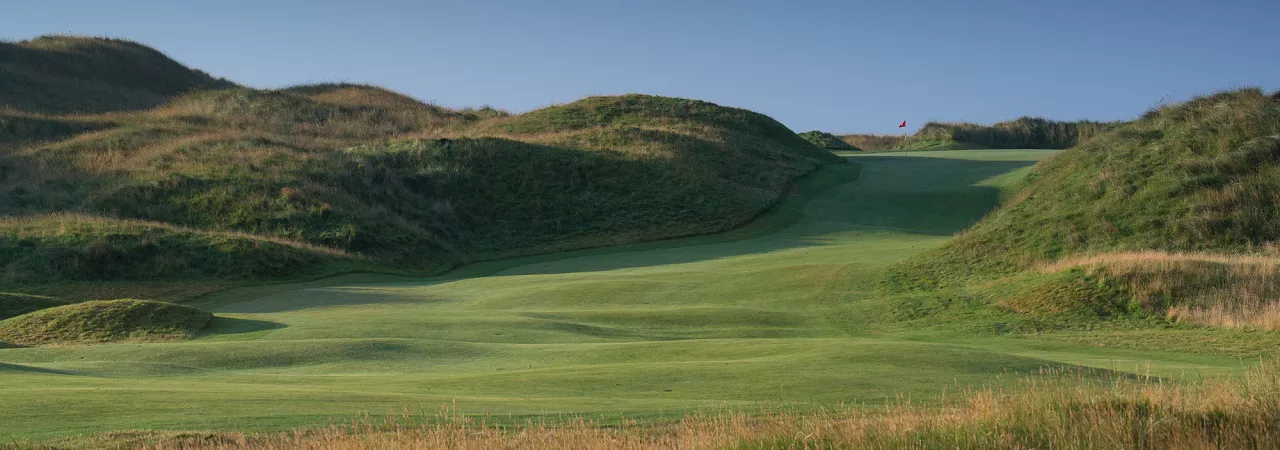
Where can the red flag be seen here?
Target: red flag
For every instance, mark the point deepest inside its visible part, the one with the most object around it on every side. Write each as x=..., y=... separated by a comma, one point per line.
x=903, y=124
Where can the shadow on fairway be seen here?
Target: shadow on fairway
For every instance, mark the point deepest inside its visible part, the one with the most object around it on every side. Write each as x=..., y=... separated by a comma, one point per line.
x=319, y=297
x=233, y=325
x=6, y=367
x=918, y=195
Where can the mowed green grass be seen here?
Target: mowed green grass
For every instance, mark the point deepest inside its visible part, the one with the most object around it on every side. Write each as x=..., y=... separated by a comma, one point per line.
x=784, y=312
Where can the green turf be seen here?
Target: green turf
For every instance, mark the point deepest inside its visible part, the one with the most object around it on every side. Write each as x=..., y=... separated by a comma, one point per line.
x=105, y=321
x=784, y=311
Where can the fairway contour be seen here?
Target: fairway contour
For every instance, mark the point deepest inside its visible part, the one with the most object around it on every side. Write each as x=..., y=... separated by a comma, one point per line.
x=784, y=312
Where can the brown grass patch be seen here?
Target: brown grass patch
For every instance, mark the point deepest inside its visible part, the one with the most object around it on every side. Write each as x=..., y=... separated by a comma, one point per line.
x=1231, y=291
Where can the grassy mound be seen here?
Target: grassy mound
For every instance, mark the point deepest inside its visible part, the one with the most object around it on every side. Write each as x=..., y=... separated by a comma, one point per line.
x=13, y=305
x=365, y=170
x=827, y=140
x=105, y=321
x=1194, y=177
x=649, y=111
x=63, y=74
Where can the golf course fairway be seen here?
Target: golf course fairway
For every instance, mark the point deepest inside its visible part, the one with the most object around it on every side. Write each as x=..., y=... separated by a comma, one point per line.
x=782, y=312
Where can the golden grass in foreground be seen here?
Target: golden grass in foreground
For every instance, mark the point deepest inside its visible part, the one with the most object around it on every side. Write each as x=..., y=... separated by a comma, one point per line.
x=1232, y=291
x=1054, y=410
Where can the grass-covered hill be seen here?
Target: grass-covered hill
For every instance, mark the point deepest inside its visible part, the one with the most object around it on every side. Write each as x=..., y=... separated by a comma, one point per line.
x=66, y=74
x=201, y=179
x=1175, y=211
x=1025, y=132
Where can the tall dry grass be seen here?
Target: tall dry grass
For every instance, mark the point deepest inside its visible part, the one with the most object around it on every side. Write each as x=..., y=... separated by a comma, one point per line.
x=873, y=142
x=1055, y=409
x=1231, y=291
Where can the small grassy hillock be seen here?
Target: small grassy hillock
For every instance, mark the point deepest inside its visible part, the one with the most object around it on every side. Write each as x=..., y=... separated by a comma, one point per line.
x=104, y=321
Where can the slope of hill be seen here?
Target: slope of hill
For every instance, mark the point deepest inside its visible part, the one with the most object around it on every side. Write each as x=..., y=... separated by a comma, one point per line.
x=1195, y=177
x=240, y=182
x=828, y=141
x=66, y=74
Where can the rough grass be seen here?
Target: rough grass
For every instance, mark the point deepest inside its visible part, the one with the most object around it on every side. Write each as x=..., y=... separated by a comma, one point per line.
x=104, y=321
x=405, y=184
x=68, y=74
x=1170, y=219
x=1234, y=291
x=1054, y=410
x=828, y=141
x=873, y=142
x=63, y=247
x=1198, y=176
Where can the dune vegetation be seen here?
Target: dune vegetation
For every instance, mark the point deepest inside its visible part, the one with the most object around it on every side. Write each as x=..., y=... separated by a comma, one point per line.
x=61, y=74
x=873, y=142
x=828, y=141
x=1024, y=132
x=121, y=164
x=1171, y=215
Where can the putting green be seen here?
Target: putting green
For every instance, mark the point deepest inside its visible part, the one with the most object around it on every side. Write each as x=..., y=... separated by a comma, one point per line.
x=782, y=312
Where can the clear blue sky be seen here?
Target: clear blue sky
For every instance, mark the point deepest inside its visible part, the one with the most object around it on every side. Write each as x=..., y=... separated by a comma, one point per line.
x=840, y=66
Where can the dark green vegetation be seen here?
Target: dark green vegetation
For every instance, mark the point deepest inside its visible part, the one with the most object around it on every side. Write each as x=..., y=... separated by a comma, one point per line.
x=827, y=141
x=168, y=174
x=50, y=248
x=62, y=74
x=105, y=321
x=1025, y=132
